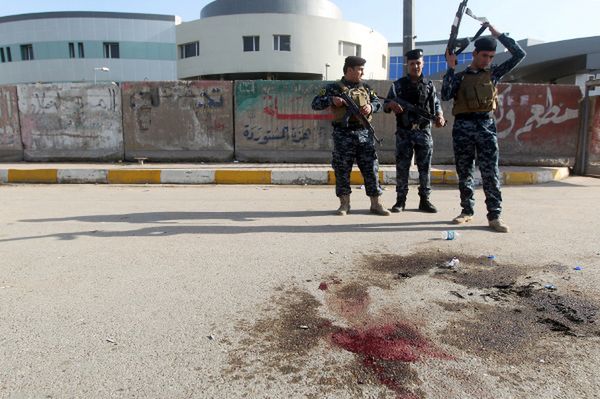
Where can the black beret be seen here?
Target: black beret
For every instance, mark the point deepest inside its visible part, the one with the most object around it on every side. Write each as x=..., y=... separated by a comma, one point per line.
x=414, y=54
x=485, y=44
x=354, y=61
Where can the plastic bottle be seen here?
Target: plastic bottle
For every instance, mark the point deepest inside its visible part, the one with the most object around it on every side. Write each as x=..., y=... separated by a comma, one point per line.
x=452, y=264
x=491, y=260
x=450, y=235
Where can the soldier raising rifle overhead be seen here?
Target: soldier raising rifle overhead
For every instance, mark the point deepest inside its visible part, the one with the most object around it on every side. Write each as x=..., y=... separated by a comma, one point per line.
x=474, y=131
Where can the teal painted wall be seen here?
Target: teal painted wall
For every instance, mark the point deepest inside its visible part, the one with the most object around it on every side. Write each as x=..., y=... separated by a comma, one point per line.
x=94, y=49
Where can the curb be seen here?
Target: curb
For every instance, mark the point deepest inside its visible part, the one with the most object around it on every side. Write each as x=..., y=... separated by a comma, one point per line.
x=291, y=176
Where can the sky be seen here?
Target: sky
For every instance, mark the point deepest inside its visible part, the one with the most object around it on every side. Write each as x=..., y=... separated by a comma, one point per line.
x=545, y=20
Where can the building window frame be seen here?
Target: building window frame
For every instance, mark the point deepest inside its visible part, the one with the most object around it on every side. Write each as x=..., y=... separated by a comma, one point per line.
x=282, y=42
x=27, y=52
x=8, y=54
x=2, y=58
x=80, y=50
x=188, y=50
x=111, y=50
x=71, y=50
x=347, y=49
x=251, y=43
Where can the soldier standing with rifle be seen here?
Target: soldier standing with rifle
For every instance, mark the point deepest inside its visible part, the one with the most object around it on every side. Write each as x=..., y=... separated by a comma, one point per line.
x=415, y=103
x=353, y=103
x=474, y=132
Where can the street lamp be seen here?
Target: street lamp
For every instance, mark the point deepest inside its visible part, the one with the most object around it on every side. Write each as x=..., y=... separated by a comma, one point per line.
x=327, y=65
x=103, y=69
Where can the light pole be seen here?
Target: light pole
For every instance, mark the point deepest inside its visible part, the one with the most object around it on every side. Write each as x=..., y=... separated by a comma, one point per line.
x=408, y=26
x=327, y=65
x=103, y=69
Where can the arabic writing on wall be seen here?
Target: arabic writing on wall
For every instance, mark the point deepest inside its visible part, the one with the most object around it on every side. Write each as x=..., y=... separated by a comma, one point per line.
x=543, y=111
x=55, y=100
x=70, y=117
x=261, y=135
x=202, y=101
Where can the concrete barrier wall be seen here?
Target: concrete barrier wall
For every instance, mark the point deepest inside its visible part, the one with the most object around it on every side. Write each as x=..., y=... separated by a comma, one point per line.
x=270, y=121
x=11, y=148
x=537, y=124
x=274, y=122
x=70, y=121
x=174, y=121
x=593, y=166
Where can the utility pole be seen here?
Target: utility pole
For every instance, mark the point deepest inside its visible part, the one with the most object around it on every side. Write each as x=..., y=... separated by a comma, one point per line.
x=408, y=27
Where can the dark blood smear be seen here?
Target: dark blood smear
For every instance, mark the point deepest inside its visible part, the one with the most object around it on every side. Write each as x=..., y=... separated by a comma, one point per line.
x=382, y=346
x=323, y=286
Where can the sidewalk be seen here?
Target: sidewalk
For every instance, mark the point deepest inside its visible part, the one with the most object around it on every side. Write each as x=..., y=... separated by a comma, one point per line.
x=241, y=173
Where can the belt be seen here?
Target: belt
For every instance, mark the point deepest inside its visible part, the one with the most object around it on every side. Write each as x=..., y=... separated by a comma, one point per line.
x=351, y=126
x=474, y=116
x=414, y=126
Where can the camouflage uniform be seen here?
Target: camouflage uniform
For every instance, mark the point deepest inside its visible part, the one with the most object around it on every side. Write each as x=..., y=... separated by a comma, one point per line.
x=413, y=133
x=474, y=137
x=351, y=143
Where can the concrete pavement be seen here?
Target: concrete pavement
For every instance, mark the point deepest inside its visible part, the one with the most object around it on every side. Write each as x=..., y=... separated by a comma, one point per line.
x=259, y=291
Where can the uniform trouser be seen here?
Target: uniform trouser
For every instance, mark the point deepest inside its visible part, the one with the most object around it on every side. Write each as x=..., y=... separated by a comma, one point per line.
x=476, y=139
x=351, y=145
x=419, y=143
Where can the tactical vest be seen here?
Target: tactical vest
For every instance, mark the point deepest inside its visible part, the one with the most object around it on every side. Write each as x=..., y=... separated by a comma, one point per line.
x=361, y=97
x=476, y=93
x=415, y=94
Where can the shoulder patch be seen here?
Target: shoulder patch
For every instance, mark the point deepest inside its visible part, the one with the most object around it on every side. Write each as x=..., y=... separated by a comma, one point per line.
x=322, y=92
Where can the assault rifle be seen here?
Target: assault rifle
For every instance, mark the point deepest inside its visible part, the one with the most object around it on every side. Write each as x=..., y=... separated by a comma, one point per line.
x=354, y=110
x=456, y=45
x=408, y=107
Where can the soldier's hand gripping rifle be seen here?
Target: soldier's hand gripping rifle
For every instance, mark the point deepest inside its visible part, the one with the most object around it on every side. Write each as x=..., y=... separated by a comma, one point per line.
x=408, y=107
x=456, y=45
x=354, y=110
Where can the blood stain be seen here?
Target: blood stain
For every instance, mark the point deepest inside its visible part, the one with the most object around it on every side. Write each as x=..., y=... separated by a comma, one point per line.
x=387, y=350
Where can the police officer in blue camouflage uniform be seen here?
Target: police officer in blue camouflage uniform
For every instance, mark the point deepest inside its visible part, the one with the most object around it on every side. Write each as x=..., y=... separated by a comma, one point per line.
x=413, y=132
x=352, y=142
x=474, y=132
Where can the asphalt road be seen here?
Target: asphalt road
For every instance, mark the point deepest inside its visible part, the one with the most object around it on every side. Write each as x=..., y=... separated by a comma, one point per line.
x=260, y=291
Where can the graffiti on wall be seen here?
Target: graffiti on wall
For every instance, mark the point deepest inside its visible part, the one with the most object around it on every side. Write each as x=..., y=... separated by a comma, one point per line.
x=292, y=134
x=595, y=130
x=178, y=116
x=70, y=117
x=532, y=112
x=278, y=115
x=201, y=101
x=9, y=129
x=71, y=110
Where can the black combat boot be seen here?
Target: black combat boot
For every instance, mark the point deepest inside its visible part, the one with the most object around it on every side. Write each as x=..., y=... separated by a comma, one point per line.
x=399, y=205
x=426, y=206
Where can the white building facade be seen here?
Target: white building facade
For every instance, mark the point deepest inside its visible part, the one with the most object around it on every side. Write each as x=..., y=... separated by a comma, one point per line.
x=275, y=39
x=83, y=46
